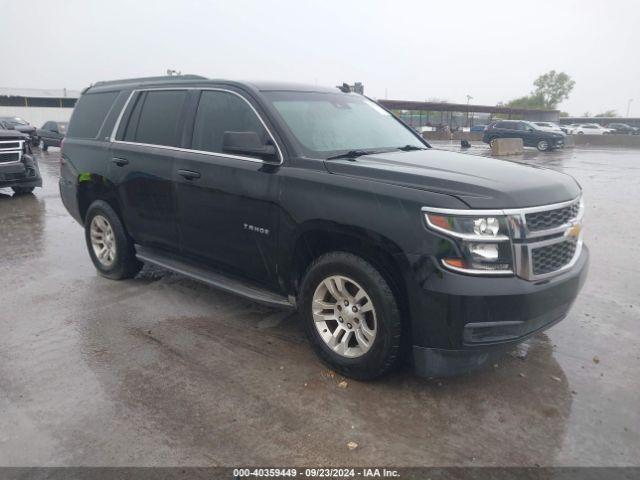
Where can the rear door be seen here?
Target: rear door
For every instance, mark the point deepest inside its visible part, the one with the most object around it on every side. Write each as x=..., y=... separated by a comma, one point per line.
x=142, y=165
x=228, y=217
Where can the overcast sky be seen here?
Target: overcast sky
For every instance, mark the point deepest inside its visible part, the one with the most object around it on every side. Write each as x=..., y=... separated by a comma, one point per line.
x=409, y=50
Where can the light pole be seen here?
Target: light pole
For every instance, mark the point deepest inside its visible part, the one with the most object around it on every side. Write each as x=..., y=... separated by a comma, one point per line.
x=469, y=97
x=629, y=106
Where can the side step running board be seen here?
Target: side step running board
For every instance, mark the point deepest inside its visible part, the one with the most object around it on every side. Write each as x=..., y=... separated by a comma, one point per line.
x=211, y=278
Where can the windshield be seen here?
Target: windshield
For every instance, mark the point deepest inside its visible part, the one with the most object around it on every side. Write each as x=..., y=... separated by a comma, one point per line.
x=326, y=124
x=14, y=121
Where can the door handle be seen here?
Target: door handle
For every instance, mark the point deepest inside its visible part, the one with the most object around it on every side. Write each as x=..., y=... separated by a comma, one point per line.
x=121, y=162
x=189, y=174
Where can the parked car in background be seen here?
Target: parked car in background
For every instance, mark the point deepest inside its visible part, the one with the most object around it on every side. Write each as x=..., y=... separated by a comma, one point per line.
x=18, y=168
x=22, y=126
x=590, y=129
x=623, y=128
x=567, y=128
x=548, y=126
x=319, y=200
x=531, y=134
x=51, y=134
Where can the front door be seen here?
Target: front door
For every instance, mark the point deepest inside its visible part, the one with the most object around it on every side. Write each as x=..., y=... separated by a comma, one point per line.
x=227, y=210
x=142, y=166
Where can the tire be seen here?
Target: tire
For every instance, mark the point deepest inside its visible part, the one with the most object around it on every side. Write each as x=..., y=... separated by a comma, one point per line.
x=580, y=133
x=543, y=145
x=22, y=190
x=354, y=359
x=119, y=261
x=491, y=141
x=43, y=146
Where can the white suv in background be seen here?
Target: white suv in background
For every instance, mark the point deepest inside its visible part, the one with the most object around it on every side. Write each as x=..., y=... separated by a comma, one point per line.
x=549, y=127
x=590, y=129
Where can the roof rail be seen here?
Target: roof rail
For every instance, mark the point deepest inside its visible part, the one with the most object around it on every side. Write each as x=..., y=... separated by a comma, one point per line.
x=125, y=81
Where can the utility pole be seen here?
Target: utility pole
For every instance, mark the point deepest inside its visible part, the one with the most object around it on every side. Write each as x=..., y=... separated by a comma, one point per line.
x=629, y=106
x=469, y=97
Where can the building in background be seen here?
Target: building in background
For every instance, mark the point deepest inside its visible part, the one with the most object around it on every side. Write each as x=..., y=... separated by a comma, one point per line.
x=456, y=116
x=37, y=106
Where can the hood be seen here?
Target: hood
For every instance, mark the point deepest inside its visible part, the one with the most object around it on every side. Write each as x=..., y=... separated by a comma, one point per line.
x=480, y=182
x=25, y=128
x=12, y=135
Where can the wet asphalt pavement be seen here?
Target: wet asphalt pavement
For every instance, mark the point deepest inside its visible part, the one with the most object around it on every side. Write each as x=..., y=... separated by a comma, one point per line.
x=161, y=370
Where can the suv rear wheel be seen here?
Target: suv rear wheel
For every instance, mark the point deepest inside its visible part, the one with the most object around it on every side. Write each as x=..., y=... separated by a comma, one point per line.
x=110, y=248
x=351, y=316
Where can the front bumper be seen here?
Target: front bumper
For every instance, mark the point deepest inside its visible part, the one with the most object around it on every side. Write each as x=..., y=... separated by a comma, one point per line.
x=469, y=321
x=23, y=174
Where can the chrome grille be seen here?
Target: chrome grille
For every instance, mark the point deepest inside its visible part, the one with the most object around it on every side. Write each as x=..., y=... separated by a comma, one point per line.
x=10, y=145
x=552, y=257
x=552, y=218
x=9, y=157
x=11, y=151
x=547, y=239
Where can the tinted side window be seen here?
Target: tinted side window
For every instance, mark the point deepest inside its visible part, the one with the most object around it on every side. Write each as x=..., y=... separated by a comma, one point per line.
x=89, y=114
x=507, y=125
x=159, y=115
x=220, y=112
x=47, y=126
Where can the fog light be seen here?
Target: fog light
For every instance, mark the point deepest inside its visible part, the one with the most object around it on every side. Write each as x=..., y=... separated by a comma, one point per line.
x=484, y=251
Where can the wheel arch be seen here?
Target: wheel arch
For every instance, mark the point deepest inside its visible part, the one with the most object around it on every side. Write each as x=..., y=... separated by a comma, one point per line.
x=92, y=187
x=316, y=238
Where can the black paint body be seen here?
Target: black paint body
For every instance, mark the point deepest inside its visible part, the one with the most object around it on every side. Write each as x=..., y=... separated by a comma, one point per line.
x=370, y=206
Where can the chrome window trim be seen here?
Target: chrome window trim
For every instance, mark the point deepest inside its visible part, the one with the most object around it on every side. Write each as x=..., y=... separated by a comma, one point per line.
x=190, y=150
x=523, y=241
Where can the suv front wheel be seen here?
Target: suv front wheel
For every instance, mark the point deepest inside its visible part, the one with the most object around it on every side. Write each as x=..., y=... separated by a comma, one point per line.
x=351, y=316
x=543, y=145
x=110, y=248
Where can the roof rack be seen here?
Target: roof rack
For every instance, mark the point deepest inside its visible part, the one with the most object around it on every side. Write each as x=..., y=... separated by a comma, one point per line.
x=125, y=81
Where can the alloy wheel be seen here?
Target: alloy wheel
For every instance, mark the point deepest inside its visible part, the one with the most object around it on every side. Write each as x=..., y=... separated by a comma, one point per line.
x=103, y=240
x=344, y=316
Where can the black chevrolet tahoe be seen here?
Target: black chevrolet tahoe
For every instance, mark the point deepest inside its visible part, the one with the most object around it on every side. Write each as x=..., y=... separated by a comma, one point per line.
x=322, y=201
x=18, y=168
x=530, y=133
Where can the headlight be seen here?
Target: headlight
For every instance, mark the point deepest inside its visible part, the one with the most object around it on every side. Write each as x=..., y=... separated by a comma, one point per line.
x=483, y=241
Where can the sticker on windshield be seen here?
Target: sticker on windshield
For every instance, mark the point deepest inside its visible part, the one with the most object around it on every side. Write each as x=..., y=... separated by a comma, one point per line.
x=377, y=108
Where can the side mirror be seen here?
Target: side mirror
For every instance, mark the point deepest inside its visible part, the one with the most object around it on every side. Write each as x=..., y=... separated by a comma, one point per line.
x=248, y=143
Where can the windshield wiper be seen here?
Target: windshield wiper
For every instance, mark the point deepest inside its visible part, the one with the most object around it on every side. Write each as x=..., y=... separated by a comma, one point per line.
x=409, y=148
x=352, y=154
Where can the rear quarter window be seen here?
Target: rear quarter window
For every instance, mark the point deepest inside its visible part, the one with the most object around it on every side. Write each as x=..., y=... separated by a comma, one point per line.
x=90, y=113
